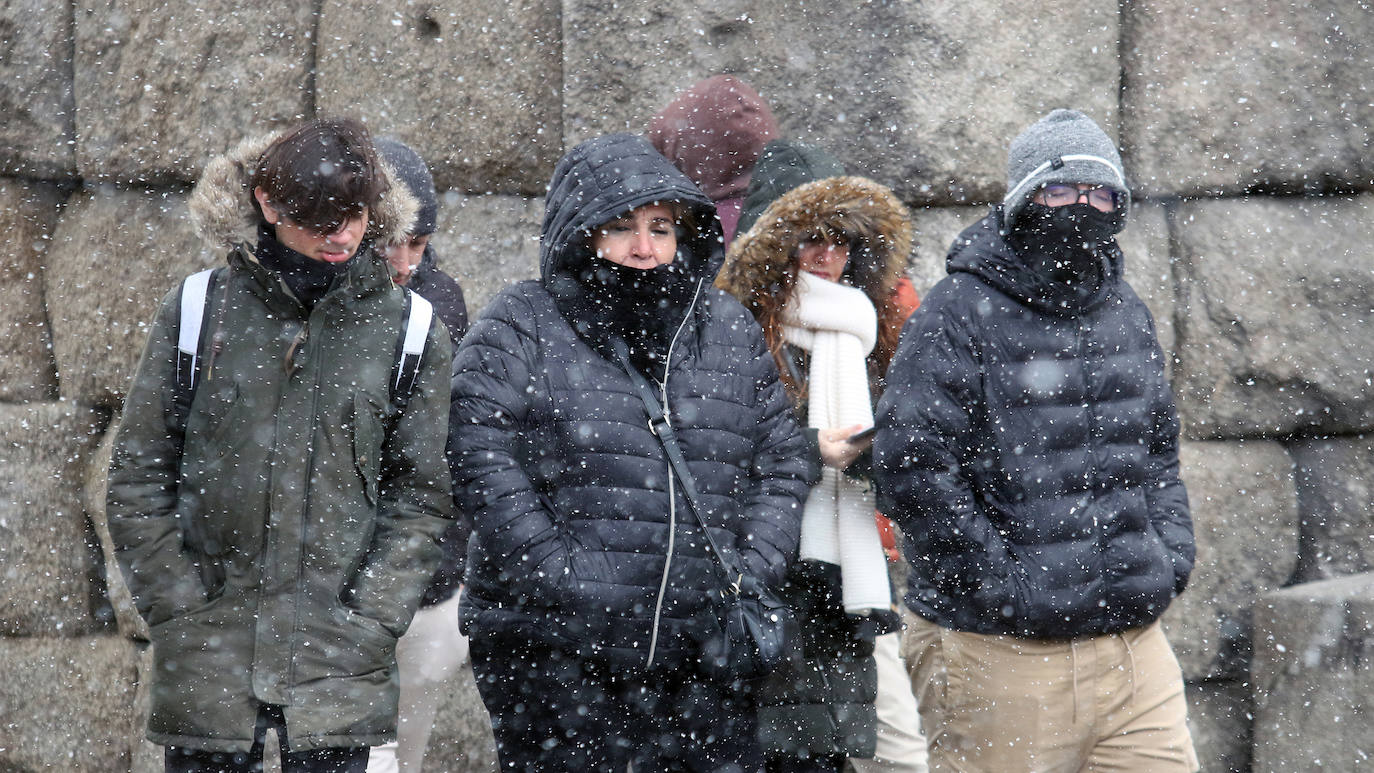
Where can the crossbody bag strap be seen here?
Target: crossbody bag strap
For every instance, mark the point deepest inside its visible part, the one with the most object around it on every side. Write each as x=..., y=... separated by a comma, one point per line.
x=661, y=425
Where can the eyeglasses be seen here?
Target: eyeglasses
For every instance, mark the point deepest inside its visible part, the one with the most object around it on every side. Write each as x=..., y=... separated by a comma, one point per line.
x=1099, y=196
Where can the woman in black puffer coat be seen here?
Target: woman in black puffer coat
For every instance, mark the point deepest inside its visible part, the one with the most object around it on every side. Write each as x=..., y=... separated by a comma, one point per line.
x=588, y=576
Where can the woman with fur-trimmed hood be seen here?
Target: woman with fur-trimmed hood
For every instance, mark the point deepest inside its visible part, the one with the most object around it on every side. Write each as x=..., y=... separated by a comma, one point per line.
x=819, y=265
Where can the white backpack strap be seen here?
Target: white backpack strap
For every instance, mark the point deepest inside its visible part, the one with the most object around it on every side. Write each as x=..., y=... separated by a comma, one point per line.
x=194, y=292
x=412, y=346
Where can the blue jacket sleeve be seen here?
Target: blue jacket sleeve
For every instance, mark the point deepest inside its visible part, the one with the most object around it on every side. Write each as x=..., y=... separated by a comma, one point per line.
x=927, y=430
x=492, y=387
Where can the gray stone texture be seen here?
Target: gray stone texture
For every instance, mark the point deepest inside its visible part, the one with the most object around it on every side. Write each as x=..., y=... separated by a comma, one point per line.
x=45, y=553
x=924, y=97
x=1219, y=718
x=28, y=212
x=116, y=253
x=487, y=242
x=473, y=87
x=462, y=740
x=1277, y=316
x=1245, y=521
x=36, y=106
x=1229, y=97
x=1314, y=677
x=1335, y=492
x=161, y=87
x=68, y=704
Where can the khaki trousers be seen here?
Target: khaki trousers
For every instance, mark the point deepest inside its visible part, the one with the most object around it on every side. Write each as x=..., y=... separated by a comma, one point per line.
x=1000, y=704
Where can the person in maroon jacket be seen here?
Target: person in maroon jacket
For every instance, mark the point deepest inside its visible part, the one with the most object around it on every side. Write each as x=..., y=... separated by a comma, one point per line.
x=713, y=132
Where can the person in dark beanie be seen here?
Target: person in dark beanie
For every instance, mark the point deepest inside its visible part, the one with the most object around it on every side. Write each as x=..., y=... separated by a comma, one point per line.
x=433, y=648
x=1027, y=445
x=274, y=499
x=713, y=132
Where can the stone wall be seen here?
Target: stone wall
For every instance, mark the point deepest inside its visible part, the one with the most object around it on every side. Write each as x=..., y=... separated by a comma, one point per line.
x=1244, y=126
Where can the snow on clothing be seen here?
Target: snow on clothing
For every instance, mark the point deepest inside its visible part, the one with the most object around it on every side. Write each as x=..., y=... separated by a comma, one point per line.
x=827, y=707
x=279, y=551
x=1028, y=447
x=578, y=540
x=443, y=291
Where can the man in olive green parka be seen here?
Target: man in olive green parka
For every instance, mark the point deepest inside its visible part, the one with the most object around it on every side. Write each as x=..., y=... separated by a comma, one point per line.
x=278, y=543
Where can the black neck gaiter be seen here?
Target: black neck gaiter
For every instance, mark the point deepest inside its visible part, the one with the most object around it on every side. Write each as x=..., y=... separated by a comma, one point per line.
x=308, y=279
x=644, y=307
x=1063, y=244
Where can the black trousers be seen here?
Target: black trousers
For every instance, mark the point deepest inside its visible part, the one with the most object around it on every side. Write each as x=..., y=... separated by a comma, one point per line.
x=553, y=712
x=334, y=760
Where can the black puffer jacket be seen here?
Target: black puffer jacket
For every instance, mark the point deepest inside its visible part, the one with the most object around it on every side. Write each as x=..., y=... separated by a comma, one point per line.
x=1028, y=446
x=575, y=541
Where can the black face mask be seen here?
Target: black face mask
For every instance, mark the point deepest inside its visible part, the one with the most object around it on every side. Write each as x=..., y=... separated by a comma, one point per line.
x=1078, y=227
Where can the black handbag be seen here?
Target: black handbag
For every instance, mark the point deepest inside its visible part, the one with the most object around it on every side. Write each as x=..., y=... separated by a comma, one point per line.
x=754, y=631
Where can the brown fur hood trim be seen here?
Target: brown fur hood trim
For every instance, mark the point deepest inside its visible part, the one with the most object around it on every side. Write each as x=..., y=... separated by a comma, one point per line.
x=759, y=261
x=224, y=214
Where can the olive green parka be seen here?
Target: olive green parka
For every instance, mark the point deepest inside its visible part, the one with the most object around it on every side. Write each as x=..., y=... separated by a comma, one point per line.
x=278, y=546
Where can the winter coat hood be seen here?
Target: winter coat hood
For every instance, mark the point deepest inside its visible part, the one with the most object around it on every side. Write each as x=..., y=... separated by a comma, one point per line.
x=760, y=261
x=714, y=132
x=605, y=177
x=983, y=251
x=224, y=213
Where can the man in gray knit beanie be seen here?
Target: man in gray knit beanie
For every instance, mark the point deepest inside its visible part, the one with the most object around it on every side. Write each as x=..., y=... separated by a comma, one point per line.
x=1027, y=445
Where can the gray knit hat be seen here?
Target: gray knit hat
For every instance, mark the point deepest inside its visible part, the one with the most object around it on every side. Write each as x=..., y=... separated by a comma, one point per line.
x=1065, y=146
x=415, y=176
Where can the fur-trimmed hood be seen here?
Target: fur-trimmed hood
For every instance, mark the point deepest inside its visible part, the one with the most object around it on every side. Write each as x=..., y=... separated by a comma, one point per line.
x=224, y=214
x=758, y=267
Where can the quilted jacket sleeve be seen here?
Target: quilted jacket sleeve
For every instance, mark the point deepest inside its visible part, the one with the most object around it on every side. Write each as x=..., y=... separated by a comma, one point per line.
x=1167, y=497
x=783, y=472
x=926, y=426
x=492, y=387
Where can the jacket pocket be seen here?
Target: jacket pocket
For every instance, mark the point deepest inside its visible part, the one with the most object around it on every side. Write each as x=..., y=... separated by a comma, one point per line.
x=367, y=444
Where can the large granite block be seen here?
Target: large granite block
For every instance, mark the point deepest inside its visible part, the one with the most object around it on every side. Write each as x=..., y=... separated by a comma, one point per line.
x=37, y=111
x=1245, y=521
x=924, y=97
x=1219, y=718
x=161, y=87
x=1314, y=677
x=488, y=242
x=46, y=557
x=1335, y=493
x=68, y=704
x=115, y=255
x=1277, y=316
x=473, y=87
x=28, y=212
x=1226, y=97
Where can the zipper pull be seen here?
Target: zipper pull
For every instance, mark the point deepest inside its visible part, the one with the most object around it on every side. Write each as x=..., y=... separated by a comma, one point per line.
x=294, y=349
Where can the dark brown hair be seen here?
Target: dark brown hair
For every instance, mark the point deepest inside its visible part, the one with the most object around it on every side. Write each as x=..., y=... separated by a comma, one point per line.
x=321, y=173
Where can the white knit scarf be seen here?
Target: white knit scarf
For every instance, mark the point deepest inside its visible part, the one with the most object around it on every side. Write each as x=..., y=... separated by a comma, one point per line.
x=838, y=325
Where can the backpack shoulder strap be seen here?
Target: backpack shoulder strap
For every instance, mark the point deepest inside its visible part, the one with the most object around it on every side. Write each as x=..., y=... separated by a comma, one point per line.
x=195, y=299
x=419, y=316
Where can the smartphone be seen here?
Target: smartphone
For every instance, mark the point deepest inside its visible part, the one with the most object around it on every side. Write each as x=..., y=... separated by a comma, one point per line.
x=861, y=435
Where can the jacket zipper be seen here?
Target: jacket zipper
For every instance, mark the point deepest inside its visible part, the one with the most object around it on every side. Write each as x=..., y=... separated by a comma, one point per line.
x=672, y=491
